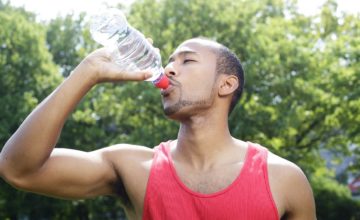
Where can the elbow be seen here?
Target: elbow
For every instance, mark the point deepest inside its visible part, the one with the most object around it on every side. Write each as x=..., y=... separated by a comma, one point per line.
x=2, y=162
x=4, y=170
x=9, y=176
x=14, y=181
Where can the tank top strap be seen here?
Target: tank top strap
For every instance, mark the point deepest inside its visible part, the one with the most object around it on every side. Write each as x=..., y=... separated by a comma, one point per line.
x=161, y=158
x=256, y=159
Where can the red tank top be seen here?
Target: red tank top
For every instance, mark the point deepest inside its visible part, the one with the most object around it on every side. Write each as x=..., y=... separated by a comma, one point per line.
x=247, y=198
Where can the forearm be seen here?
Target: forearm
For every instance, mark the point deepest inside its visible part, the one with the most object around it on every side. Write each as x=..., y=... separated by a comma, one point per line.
x=30, y=146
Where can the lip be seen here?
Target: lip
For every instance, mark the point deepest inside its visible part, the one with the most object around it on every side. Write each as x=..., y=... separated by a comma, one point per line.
x=166, y=92
x=172, y=85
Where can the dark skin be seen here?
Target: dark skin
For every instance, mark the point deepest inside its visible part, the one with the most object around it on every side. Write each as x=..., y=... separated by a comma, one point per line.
x=197, y=98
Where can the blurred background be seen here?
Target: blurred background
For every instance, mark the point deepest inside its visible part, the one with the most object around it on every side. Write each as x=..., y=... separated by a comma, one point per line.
x=301, y=100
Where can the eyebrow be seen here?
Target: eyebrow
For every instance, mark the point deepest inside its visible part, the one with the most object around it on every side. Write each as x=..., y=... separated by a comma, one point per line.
x=181, y=53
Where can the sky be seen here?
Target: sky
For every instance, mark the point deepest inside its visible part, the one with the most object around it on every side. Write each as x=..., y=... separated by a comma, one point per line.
x=47, y=9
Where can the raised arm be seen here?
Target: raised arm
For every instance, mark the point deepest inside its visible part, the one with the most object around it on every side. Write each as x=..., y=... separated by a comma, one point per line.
x=29, y=160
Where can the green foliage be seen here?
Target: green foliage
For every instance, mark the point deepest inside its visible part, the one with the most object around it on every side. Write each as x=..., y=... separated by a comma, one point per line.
x=68, y=41
x=334, y=200
x=27, y=73
x=301, y=92
x=16, y=204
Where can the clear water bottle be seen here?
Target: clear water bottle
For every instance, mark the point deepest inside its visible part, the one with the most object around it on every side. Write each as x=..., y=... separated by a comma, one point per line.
x=129, y=48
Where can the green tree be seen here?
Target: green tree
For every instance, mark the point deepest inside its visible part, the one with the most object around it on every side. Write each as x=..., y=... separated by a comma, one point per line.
x=300, y=96
x=330, y=195
x=69, y=41
x=27, y=75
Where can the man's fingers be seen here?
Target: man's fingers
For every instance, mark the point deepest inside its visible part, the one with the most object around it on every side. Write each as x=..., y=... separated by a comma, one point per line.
x=129, y=76
x=142, y=75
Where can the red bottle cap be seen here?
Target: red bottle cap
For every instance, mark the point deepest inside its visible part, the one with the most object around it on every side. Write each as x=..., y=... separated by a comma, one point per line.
x=162, y=82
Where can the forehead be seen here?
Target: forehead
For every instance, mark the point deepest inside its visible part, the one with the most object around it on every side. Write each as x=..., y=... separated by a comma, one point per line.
x=197, y=46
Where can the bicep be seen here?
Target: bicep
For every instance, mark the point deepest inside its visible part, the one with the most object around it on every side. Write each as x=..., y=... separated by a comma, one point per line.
x=72, y=174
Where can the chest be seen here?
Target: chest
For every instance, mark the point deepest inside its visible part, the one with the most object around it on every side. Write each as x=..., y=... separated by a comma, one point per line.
x=212, y=194
x=207, y=181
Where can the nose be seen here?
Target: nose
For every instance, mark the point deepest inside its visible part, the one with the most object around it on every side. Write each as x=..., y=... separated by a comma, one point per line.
x=169, y=70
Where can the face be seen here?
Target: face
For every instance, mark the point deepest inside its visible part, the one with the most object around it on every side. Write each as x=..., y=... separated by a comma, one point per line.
x=192, y=73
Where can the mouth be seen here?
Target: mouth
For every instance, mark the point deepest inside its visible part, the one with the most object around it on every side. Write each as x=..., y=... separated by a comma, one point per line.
x=166, y=92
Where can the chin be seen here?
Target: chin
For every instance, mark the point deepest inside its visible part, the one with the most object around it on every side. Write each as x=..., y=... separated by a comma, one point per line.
x=171, y=112
x=170, y=108
x=168, y=111
x=184, y=109
x=176, y=114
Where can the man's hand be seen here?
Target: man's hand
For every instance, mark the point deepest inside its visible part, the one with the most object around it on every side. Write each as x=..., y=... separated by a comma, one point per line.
x=103, y=69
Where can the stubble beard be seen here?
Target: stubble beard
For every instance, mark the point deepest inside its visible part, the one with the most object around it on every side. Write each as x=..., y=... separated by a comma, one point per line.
x=195, y=104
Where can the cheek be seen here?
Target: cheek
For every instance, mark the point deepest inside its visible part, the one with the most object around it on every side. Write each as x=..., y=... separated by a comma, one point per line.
x=199, y=81
x=201, y=73
x=198, y=88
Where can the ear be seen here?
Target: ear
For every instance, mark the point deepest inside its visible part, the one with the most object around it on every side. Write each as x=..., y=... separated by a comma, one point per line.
x=228, y=84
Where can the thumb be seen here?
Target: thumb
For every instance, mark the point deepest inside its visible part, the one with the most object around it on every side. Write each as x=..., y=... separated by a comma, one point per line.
x=128, y=75
x=140, y=75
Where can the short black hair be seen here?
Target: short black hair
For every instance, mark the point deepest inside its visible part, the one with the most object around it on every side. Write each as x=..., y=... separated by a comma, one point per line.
x=228, y=63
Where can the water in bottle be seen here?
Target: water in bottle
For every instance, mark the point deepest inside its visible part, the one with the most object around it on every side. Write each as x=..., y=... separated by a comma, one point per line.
x=129, y=48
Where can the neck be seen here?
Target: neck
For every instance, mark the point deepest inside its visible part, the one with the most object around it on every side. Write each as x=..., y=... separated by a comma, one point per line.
x=203, y=141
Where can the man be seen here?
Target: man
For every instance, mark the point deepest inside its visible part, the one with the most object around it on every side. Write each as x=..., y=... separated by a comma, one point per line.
x=204, y=174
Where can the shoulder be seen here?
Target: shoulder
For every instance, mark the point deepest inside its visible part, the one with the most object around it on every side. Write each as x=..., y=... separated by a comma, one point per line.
x=284, y=169
x=126, y=151
x=132, y=165
x=126, y=156
x=290, y=187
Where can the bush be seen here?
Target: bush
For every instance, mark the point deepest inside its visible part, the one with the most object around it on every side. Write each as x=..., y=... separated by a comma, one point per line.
x=333, y=200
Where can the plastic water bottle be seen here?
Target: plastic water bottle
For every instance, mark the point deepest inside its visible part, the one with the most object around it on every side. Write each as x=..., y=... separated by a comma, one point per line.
x=129, y=48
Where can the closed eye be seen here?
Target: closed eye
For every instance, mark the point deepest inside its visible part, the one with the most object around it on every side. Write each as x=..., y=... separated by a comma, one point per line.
x=189, y=60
